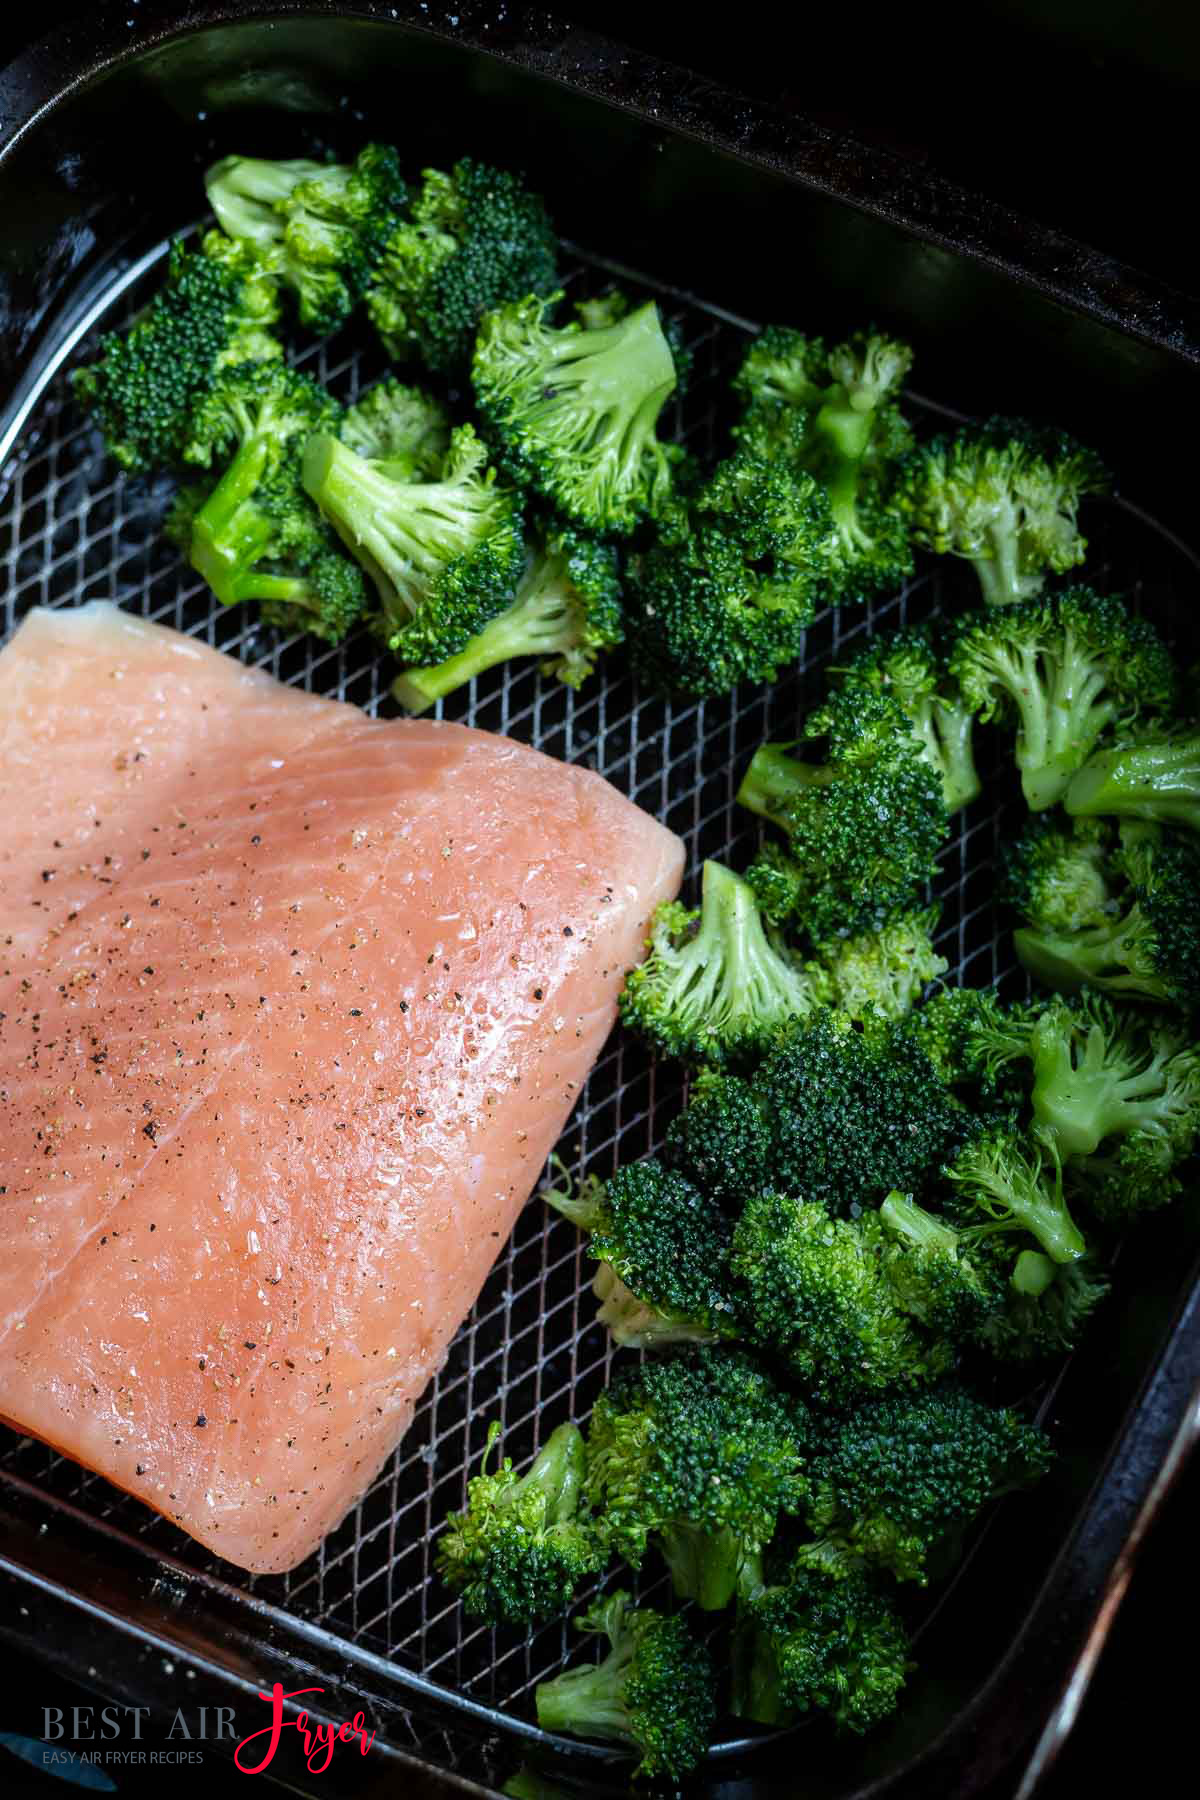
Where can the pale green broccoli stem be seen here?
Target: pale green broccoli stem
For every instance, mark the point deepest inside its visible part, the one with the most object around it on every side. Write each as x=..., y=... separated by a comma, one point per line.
x=998, y=564
x=232, y=530
x=947, y=738
x=1033, y=1273
x=585, y=1203
x=634, y=1323
x=704, y=1565
x=1116, y=959
x=906, y=1219
x=246, y=192
x=774, y=779
x=623, y=373
x=1017, y=1193
x=590, y=1701
x=1078, y=1100
x=558, y=1472
x=730, y=957
x=1156, y=779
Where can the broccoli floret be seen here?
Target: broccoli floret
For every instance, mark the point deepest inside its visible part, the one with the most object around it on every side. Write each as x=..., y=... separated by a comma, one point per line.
x=897, y=1481
x=820, y=1641
x=476, y=239
x=714, y=987
x=573, y=412
x=737, y=577
x=522, y=1546
x=1065, y=669
x=257, y=536
x=1100, y=1074
x=996, y=1179
x=1044, y=1306
x=723, y=1139
x=566, y=611
x=878, y=973
x=1059, y=876
x=444, y=555
x=1006, y=497
x=663, y=1247
x=320, y=228
x=939, y=1275
x=863, y=827
x=834, y=411
x=402, y=426
x=214, y=310
x=1147, y=950
x=654, y=1691
x=700, y=1454
x=856, y=1112
x=818, y=1298
x=909, y=666
x=1151, y=778
x=975, y=1045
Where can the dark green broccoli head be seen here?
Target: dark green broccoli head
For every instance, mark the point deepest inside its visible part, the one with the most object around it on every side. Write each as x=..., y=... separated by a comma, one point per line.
x=911, y=667
x=817, y=1297
x=319, y=228
x=700, y=1454
x=402, y=426
x=897, y=1480
x=664, y=1250
x=714, y=987
x=476, y=239
x=1065, y=670
x=724, y=1139
x=1006, y=497
x=566, y=611
x=1058, y=876
x=521, y=1548
x=573, y=412
x=863, y=826
x=1146, y=949
x=445, y=555
x=856, y=1112
x=878, y=974
x=1156, y=778
x=705, y=619
x=819, y=1642
x=215, y=309
x=653, y=1692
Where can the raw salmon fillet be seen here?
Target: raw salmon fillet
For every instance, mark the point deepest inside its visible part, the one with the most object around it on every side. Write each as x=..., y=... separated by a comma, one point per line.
x=293, y=1006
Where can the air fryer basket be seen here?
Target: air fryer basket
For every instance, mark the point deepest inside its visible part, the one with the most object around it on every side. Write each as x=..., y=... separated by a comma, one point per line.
x=366, y=1610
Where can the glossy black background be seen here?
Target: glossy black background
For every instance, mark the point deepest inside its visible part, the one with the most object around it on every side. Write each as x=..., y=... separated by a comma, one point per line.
x=1080, y=113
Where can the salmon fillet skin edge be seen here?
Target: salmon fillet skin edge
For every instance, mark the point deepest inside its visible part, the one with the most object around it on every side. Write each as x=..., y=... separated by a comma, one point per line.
x=294, y=1004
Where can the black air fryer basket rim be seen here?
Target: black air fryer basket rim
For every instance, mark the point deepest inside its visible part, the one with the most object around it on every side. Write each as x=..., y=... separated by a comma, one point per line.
x=675, y=100
x=1041, y=1677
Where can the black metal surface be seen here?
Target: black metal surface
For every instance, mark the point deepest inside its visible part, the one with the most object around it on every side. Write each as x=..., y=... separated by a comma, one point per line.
x=364, y=1611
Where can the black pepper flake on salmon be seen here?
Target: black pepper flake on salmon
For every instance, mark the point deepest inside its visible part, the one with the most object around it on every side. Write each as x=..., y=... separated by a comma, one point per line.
x=200, y=1419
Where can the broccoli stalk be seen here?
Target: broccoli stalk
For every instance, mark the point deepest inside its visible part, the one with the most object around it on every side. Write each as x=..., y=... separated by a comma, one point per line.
x=934, y=1270
x=1151, y=778
x=1067, y=668
x=566, y=611
x=1099, y=1074
x=1006, y=498
x=444, y=555
x=714, y=988
x=522, y=1547
x=994, y=1176
x=573, y=412
x=653, y=1692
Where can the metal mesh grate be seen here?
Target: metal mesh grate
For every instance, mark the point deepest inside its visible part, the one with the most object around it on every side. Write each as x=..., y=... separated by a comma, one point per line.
x=529, y=1355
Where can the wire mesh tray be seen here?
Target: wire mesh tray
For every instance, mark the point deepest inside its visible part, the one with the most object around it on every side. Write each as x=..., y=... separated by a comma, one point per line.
x=71, y=530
